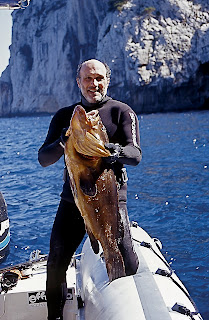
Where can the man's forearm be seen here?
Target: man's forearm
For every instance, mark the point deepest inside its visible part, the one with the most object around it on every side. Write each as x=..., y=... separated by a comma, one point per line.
x=130, y=155
x=49, y=154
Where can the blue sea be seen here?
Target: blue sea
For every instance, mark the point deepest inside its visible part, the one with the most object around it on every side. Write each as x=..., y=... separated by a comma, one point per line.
x=168, y=191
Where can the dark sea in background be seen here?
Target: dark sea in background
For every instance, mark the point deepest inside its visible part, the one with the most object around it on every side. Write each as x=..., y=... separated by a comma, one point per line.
x=168, y=192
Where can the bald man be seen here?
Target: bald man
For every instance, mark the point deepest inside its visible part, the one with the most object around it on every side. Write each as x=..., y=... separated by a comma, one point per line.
x=93, y=78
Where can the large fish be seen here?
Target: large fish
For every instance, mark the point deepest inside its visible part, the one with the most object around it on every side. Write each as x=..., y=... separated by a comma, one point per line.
x=94, y=186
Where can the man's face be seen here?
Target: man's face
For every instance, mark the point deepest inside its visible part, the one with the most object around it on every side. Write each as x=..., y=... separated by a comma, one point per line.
x=93, y=81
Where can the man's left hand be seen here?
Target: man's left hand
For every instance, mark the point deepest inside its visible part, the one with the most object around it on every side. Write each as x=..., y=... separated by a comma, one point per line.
x=115, y=150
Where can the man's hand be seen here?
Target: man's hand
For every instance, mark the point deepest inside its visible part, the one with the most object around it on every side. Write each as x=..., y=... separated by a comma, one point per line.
x=115, y=150
x=63, y=137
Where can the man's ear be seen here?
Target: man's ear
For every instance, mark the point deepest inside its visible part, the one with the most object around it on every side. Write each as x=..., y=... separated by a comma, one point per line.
x=78, y=82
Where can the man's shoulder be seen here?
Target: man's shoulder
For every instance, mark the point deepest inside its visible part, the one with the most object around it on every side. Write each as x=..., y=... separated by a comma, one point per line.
x=63, y=115
x=122, y=106
x=66, y=110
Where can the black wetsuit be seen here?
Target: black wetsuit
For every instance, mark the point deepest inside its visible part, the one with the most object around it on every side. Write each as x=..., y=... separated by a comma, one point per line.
x=68, y=230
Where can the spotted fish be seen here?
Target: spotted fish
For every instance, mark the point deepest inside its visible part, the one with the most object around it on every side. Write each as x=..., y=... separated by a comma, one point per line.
x=94, y=186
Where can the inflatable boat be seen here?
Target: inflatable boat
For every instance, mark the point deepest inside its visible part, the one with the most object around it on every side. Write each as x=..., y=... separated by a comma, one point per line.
x=153, y=293
x=4, y=229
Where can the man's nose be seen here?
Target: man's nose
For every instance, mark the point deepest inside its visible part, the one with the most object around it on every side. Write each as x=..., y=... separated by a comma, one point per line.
x=94, y=82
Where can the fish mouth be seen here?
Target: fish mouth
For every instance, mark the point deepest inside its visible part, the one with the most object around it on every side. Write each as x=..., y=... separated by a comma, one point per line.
x=90, y=146
x=86, y=133
x=94, y=136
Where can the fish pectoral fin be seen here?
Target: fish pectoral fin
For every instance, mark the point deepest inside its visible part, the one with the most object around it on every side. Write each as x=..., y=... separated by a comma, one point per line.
x=88, y=184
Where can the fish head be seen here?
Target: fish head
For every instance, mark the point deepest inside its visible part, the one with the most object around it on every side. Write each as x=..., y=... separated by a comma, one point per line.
x=88, y=134
x=79, y=123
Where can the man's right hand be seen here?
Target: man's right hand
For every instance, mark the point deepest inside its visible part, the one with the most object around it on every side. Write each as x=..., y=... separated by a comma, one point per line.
x=63, y=137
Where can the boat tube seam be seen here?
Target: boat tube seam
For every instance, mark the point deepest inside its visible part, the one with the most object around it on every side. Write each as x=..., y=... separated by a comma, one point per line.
x=149, y=246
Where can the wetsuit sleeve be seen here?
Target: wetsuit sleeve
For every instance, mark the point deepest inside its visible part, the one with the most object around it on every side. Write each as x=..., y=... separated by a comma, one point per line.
x=51, y=151
x=131, y=153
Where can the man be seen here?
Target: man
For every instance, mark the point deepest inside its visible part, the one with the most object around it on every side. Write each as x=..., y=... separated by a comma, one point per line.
x=121, y=123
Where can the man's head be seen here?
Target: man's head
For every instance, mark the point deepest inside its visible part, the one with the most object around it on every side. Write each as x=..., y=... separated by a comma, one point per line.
x=93, y=78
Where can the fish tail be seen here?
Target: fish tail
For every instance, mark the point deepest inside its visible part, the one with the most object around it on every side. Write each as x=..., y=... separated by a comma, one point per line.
x=115, y=265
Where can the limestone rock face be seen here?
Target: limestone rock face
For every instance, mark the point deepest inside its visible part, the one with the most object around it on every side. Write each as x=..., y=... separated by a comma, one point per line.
x=158, y=52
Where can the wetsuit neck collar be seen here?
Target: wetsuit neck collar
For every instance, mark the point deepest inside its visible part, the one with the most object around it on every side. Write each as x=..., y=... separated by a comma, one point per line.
x=87, y=104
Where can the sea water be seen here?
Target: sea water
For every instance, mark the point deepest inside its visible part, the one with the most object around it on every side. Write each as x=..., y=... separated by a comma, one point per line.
x=168, y=192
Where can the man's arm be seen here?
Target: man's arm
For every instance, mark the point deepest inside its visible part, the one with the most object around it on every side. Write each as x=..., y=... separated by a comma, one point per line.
x=128, y=150
x=130, y=155
x=51, y=151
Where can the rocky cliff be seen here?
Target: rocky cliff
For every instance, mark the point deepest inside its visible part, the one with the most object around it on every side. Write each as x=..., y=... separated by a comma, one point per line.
x=158, y=51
